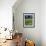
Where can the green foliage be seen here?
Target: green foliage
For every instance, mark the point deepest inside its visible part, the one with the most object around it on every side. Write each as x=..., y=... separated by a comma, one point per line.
x=28, y=21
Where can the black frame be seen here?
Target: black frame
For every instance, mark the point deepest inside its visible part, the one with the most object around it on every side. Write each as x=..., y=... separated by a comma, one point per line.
x=32, y=14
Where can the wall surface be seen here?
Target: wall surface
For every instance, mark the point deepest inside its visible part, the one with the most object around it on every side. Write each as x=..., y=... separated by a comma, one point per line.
x=43, y=22
x=6, y=13
x=29, y=6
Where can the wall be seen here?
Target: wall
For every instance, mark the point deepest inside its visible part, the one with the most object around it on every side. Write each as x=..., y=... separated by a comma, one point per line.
x=29, y=6
x=43, y=22
x=6, y=13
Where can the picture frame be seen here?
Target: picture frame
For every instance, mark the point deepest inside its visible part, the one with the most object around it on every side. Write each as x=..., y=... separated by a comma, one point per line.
x=28, y=20
x=13, y=22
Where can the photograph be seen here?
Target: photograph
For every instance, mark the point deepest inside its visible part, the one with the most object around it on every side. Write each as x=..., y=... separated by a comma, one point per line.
x=29, y=20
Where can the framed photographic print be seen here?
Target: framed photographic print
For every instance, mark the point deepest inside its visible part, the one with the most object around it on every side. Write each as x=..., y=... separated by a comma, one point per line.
x=13, y=22
x=29, y=20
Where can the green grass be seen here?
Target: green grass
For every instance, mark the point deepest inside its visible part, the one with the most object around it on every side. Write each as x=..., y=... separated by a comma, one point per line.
x=28, y=21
